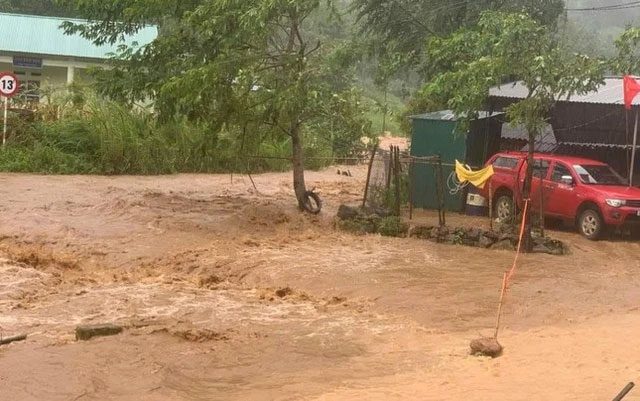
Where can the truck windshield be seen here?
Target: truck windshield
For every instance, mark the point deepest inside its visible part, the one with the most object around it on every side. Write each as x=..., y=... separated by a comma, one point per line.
x=598, y=175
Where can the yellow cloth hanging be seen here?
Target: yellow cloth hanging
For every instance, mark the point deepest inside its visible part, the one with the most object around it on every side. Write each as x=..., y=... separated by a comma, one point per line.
x=476, y=178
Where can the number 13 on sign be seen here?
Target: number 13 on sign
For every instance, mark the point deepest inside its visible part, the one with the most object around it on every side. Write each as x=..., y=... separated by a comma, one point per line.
x=8, y=88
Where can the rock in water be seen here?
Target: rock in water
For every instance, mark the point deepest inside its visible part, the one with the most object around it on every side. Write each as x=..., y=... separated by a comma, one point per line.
x=486, y=347
x=86, y=332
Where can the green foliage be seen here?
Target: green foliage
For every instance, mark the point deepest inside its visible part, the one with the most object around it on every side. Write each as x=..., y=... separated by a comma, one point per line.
x=393, y=226
x=100, y=136
x=458, y=236
x=34, y=7
x=406, y=24
x=361, y=225
x=386, y=198
x=503, y=47
x=250, y=67
x=462, y=67
x=376, y=102
x=396, y=30
x=240, y=63
x=627, y=60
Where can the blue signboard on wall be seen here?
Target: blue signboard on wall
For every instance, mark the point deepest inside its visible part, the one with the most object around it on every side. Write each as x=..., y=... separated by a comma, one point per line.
x=27, y=62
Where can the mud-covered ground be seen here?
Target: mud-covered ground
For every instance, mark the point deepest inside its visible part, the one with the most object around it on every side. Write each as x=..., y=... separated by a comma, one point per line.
x=231, y=294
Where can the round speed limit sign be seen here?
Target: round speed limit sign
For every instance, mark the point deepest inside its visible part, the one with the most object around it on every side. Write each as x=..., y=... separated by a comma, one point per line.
x=8, y=84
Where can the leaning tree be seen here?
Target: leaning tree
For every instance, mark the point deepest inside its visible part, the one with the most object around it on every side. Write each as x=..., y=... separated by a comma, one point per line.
x=250, y=67
x=462, y=67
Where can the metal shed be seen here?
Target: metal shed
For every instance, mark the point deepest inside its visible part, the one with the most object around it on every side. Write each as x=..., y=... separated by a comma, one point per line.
x=594, y=125
x=436, y=134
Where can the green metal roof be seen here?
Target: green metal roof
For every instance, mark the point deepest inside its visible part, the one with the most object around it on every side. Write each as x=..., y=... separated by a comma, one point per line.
x=29, y=34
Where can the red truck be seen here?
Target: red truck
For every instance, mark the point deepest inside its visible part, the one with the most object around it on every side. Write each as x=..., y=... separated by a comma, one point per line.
x=586, y=193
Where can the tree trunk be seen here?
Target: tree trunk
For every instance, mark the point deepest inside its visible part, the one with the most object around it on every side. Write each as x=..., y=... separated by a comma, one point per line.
x=298, y=166
x=527, y=244
x=384, y=112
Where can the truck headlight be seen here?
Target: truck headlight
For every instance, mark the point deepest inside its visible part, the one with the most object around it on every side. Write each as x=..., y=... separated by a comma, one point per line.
x=616, y=202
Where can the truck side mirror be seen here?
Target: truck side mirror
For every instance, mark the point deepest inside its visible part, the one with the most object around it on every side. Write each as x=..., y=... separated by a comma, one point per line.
x=567, y=180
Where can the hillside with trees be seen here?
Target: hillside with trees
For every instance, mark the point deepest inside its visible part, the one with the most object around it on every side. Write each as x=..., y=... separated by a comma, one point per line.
x=35, y=7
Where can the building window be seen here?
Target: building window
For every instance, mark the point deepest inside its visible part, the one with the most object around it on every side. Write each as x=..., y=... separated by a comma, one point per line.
x=30, y=82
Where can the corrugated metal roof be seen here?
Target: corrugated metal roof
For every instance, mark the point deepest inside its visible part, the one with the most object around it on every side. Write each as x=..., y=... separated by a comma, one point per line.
x=520, y=132
x=542, y=147
x=598, y=145
x=28, y=34
x=449, y=115
x=563, y=147
x=611, y=92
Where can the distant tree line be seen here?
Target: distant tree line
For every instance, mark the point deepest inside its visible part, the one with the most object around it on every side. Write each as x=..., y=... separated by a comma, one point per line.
x=35, y=7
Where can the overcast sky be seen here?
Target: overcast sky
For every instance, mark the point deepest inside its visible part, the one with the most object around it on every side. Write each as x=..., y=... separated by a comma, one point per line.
x=604, y=18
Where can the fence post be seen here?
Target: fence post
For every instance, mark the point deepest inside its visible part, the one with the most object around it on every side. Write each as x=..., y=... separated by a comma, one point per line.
x=441, y=196
x=410, y=188
x=389, y=168
x=396, y=171
x=439, y=189
x=542, y=206
x=490, y=205
x=366, y=188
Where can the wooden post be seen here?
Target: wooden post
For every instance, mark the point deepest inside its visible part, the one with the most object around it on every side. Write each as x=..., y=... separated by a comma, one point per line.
x=248, y=171
x=624, y=391
x=396, y=171
x=437, y=170
x=513, y=197
x=8, y=340
x=441, y=180
x=410, y=188
x=434, y=165
x=490, y=205
x=366, y=187
x=390, y=168
x=542, y=206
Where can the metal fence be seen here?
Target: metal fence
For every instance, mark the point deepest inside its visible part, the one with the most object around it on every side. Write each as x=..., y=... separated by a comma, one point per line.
x=394, y=177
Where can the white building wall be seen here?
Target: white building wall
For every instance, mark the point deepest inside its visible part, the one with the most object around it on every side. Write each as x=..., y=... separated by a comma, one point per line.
x=56, y=73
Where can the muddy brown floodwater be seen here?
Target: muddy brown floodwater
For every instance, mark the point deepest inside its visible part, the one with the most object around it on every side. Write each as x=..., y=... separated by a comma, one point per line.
x=226, y=293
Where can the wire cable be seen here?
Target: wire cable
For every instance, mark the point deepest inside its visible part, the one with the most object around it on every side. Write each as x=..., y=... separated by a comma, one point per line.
x=454, y=185
x=621, y=6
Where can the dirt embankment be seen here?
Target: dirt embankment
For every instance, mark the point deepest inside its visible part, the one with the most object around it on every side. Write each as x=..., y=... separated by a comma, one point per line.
x=228, y=293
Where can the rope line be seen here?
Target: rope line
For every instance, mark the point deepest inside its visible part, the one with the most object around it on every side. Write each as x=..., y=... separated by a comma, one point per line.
x=509, y=274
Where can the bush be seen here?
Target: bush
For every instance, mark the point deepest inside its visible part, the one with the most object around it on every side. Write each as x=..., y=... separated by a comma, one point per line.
x=393, y=226
x=94, y=135
x=361, y=225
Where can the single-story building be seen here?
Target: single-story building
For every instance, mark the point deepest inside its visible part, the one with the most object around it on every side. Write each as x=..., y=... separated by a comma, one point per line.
x=595, y=125
x=39, y=53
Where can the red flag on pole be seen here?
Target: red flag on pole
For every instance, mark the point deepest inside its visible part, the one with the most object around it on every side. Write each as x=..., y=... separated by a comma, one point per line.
x=631, y=90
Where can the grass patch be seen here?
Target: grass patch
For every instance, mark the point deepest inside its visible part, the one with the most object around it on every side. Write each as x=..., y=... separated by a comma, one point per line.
x=105, y=137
